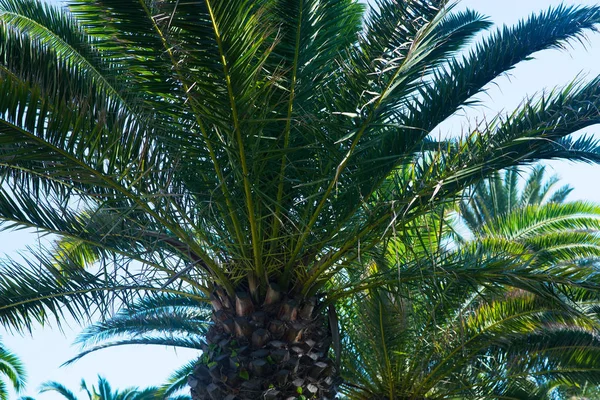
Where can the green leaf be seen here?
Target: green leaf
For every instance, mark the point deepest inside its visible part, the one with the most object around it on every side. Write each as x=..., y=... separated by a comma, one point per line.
x=244, y=374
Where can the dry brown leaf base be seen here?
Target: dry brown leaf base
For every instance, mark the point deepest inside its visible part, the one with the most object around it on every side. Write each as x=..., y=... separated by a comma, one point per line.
x=275, y=350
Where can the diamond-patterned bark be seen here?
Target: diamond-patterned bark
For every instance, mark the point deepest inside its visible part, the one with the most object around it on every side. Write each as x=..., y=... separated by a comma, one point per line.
x=274, y=349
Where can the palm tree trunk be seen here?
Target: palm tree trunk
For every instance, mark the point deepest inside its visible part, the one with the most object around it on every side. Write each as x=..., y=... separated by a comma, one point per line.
x=274, y=350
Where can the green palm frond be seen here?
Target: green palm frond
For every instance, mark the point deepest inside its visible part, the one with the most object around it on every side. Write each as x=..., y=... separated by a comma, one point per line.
x=534, y=220
x=59, y=388
x=43, y=292
x=37, y=294
x=184, y=317
x=11, y=371
x=177, y=381
x=501, y=194
x=165, y=319
x=158, y=340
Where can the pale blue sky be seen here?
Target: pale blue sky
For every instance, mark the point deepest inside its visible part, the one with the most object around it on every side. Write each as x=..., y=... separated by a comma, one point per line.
x=145, y=366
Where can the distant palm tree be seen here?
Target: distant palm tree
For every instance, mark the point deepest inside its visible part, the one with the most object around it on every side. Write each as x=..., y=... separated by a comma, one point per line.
x=445, y=340
x=501, y=194
x=104, y=392
x=532, y=223
x=452, y=336
x=12, y=371
x=251, y=152
x=495, y=207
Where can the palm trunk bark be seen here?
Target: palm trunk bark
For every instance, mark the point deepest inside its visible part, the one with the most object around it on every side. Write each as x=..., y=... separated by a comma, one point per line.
x=271, y=349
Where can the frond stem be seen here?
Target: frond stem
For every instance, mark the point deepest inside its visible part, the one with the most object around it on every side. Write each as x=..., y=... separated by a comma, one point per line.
x=288, y=126
x=256, y=245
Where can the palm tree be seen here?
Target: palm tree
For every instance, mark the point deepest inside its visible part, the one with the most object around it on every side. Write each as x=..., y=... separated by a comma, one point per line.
x=498, y=210
x=501, y=195
x=251, y=152
x=536, y=220
x=12, y=371
x=104, y=392
x=451, y=337
x=445, y=341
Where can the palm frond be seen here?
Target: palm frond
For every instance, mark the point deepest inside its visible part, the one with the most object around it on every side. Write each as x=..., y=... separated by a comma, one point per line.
x=177, y=381
x=169, y=314
x=59, y=388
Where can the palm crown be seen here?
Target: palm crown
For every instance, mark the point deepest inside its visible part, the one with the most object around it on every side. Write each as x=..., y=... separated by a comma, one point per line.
x=255, y=146
x=253, y=139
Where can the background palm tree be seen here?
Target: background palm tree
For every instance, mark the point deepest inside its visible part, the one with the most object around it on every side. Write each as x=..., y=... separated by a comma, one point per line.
x=445, y=342
x=103, y=391
x=508, y=191
x=452, y=337
x=252, y=153
x=539, y=225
